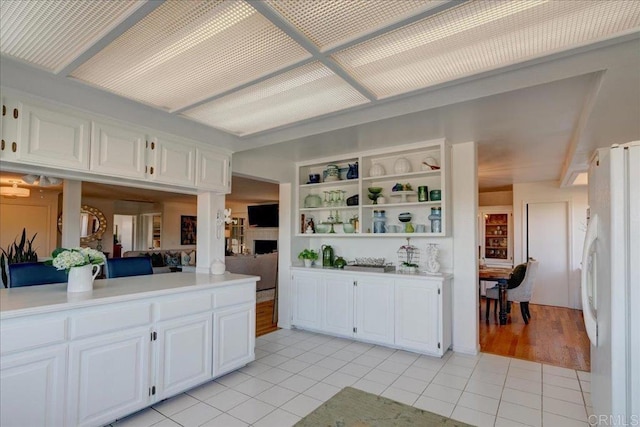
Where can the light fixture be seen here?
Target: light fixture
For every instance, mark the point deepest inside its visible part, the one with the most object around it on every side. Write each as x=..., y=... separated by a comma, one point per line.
x=41, y=180
x=14, y=191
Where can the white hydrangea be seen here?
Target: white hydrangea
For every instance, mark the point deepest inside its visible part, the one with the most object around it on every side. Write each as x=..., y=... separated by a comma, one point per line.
x=64, y=259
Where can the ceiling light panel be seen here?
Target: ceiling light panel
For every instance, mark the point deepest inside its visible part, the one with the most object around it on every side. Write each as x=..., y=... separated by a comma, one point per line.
x=51, y=34
x=186, y=51
x=308, y=91
x=480, y=36
x=329, y=23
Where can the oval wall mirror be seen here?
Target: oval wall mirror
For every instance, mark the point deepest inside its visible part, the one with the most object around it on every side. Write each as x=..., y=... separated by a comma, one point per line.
x=93, y=224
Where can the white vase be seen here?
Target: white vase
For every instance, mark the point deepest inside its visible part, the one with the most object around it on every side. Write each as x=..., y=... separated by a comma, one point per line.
x=308, y=262
x=81, y=278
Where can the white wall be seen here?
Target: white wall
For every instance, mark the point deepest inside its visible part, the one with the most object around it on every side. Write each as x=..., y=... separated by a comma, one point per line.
x=549, y=191
x=171, y=213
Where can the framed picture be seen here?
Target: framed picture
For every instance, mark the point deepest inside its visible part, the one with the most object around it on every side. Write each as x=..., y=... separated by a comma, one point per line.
x=188, y=229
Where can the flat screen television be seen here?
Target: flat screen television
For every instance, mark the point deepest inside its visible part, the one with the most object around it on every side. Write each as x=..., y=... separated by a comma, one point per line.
x=263, y=215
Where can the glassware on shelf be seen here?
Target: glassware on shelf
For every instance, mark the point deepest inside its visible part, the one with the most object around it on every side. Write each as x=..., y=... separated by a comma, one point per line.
x=379, y=221
x=327, y=201
x=342, y=197
x=436, y=220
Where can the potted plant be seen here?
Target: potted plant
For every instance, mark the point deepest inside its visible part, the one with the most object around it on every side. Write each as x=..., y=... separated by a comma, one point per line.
x=410, y=266
x=308, y=256
x=17, y=253
x=81, y=264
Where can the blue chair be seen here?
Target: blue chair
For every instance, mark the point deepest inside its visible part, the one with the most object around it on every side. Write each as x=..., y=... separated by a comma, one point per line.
x=132, y=266
x=35, y=273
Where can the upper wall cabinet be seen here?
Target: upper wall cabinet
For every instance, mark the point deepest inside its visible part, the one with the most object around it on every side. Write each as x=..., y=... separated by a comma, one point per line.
x=118, y=150
x=55, y=137
x=171, y=161
x=213, y=171
x=45, y=136
x=393, y=192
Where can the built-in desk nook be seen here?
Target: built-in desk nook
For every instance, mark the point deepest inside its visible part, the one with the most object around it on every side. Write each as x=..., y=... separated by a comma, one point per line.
x=86, y=359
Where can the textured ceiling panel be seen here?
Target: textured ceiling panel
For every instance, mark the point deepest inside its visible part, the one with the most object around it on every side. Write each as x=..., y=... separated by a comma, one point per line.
x=481, y=36
x=329, y=23
x=308, y=91
x=51, y=34
x=187, y=51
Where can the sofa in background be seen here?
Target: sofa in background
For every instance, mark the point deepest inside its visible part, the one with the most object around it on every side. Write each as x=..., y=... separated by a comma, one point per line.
x=164, y=260
x=265, y=266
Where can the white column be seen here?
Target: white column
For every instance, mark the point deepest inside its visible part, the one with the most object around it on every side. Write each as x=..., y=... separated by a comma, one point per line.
x=71, y=205
x=285, y=231
x=210, y=237
x=465, y=241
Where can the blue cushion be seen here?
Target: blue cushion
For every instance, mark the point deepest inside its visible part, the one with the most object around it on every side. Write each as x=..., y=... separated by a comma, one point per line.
x=124, y=267
x=35, y=273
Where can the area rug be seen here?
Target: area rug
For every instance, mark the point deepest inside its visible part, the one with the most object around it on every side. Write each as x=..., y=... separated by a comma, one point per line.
x=356, y=408
x=266, y=295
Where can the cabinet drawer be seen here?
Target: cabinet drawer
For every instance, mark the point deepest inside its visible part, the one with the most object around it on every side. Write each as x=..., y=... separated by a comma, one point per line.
x=96, y=321
x=238, y=294
x=16, y=336
x=185, y=306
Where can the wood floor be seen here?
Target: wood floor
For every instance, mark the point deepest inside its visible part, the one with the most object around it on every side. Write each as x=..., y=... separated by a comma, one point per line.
x=554, y=335
x=264, y=318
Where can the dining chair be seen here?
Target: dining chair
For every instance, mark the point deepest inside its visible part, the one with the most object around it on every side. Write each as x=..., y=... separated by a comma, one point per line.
x=130, y=266
x=35, y=273
x=521, y=294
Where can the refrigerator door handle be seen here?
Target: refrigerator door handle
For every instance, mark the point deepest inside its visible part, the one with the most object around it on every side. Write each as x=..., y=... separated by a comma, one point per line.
x=588, y=278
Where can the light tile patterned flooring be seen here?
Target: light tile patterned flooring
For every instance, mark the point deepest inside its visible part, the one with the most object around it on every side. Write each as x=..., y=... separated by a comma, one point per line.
x=296, y=371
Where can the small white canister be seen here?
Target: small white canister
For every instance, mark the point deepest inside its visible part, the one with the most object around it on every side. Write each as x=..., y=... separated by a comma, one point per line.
x=217, y=267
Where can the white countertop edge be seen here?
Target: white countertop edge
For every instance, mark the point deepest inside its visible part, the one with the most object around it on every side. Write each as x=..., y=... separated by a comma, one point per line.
x=416, y=276
x=32, y=300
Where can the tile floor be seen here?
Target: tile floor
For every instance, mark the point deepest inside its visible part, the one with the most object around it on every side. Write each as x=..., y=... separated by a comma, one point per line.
x=296, y=371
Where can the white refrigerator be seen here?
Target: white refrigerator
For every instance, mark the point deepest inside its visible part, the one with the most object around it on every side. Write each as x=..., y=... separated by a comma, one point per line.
x=611, y=284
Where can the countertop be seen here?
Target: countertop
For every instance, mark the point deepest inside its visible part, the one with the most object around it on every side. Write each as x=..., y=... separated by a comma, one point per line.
x=29, y=300
x=396, y=274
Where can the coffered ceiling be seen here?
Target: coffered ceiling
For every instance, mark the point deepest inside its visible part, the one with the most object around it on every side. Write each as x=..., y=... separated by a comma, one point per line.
x=256, y=69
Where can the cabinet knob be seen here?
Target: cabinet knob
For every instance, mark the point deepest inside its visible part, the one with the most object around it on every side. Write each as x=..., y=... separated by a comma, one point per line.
x=153, y=145
x=151, y=169
x=4, y=110
x=14, y=147
x=15, y=113
x=2, y=146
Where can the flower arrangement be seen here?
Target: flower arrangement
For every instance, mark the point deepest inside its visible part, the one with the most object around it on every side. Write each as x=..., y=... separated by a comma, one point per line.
x=65, y=259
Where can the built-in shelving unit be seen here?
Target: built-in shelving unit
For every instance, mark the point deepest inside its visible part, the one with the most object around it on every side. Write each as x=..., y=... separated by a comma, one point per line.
x=332, y=201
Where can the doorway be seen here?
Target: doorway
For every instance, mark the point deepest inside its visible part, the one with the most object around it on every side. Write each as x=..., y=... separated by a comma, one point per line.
x=124, y=227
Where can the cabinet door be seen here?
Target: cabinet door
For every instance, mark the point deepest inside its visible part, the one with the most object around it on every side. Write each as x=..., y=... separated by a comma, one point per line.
x=234, y=338
x=117, y=150
x=32, y=387
x=171, y=161
x=213, y=171
x=374, y=310
x=53, y=138
x=108, y=376
x=338, y=305
x=307, y=301
x=417, y=316
x=185, y=354
x=9, y=121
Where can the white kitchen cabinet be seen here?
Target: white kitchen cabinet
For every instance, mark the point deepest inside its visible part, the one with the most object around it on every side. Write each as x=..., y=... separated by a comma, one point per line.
x=496, y=235
x=108, y=376
x=117, y=150
x=420, y=321
x=374, y=310
x=171, y=161
x=234, y=336
x=53, y=137
x=32, y=387
x=337, y=305
x=213, y=171
x=307, y=300
x=326, y=201
x=9, y=121
x=185, y=354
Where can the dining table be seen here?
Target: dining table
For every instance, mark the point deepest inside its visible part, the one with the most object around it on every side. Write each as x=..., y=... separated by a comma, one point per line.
x=500, y=275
